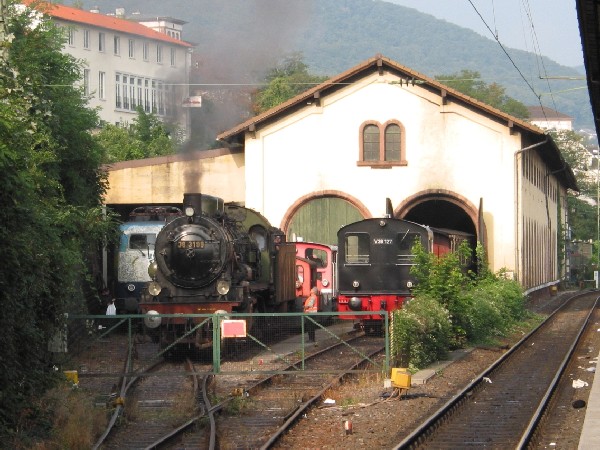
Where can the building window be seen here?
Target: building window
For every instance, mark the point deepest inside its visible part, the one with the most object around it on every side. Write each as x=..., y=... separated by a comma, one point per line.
x=133, y=104
x=139, y=92
x=174, y=34
x=131, y=48
x=125, y=93
x=382, y=145
x=371, y=143
x=153, y=97
x=159, y=51
x=86, y=82
x=135, y=91
x=392, y=142
x=117, y=45
x=146, y=51
x=101, y=44
x=161, y=98
x=173, y=53
x=117, y=91
x=86, y=39
x=70, y=36
x=101, y=85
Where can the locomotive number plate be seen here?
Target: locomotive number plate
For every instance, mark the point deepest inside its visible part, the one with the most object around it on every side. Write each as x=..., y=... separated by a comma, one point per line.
x=379, y=241
x=190, y=244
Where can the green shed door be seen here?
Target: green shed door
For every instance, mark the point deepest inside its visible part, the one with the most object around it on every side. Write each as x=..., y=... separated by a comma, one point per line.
x=319, y=220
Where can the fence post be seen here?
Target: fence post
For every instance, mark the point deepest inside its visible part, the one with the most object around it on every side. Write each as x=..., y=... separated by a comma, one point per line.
x=130, y=342
x=302, y=340
x=216, y=318
x=387, y=343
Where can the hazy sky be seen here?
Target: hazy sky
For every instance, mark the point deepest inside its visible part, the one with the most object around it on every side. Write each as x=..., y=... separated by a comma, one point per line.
x=548, y=27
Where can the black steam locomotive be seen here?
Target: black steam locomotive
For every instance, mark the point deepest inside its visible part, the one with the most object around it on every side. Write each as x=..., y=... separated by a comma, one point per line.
x=215, y=258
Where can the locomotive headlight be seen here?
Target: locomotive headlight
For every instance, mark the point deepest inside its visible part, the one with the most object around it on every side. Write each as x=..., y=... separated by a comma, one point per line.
x=223, y=287
x=355, y=284
x=189, y=211
x=131, y=287
x=325, y=282
x=154, y=288
x=152, y=269
x=409, y=284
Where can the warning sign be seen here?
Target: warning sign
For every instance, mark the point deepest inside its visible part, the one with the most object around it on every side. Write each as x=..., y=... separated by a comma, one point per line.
x=233, y=328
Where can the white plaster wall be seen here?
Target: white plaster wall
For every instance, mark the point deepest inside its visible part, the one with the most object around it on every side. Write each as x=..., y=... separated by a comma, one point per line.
x=447, y=147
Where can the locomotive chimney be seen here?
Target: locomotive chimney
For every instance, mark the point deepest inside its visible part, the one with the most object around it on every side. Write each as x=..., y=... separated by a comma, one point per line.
x=389, y=210
x=205, y=204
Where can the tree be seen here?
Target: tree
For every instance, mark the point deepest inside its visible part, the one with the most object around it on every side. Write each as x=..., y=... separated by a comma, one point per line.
x=51, y=191
x=575, y=152
x=147, y=137
x=469, y=83
x=285, y=81
x=582, y=204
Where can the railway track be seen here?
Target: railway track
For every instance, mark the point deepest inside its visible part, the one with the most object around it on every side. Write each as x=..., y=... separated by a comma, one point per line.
x=258, y=411
x=273, y=407
x=173, y=404
x=562, y=423
x=503, y=406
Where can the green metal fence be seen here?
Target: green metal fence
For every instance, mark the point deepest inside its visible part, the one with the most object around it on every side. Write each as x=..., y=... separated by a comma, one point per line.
x=98, y=346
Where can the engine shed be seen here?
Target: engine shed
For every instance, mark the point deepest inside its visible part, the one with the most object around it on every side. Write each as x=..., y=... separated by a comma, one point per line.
x=333, y=154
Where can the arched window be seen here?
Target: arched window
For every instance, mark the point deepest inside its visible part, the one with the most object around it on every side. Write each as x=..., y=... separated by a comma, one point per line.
x=382, y=145
x=392, y=142
x=371, y=143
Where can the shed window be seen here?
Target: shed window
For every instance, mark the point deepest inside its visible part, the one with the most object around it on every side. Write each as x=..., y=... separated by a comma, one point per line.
x=392, y=142
x=371, y=143
x=382, y=145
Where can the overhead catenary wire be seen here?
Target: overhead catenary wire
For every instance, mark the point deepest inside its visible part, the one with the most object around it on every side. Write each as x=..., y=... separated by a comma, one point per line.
x=538, y=53
x=506, y=52
x=539, y=59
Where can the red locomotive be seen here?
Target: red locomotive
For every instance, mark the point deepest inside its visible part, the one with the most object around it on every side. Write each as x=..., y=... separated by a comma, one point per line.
x=316, y=266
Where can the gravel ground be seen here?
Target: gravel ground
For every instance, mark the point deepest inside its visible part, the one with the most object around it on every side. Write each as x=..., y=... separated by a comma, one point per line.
x=380, y=424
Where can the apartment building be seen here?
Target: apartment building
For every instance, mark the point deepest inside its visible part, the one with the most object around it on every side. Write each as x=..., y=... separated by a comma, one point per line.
x=130, y=63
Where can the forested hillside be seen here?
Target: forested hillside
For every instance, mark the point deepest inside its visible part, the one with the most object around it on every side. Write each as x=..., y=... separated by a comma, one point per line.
x=238, y=40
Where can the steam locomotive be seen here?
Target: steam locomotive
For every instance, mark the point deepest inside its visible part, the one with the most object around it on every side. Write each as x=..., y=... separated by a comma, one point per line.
x=374, y=265
x=216, y=258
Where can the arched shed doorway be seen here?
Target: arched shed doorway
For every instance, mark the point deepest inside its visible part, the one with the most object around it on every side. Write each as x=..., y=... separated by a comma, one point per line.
x=318, y=218
x=442, y=209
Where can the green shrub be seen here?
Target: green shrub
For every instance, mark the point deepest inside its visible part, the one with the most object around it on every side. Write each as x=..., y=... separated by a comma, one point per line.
x=452, y=307
x=420, y=332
